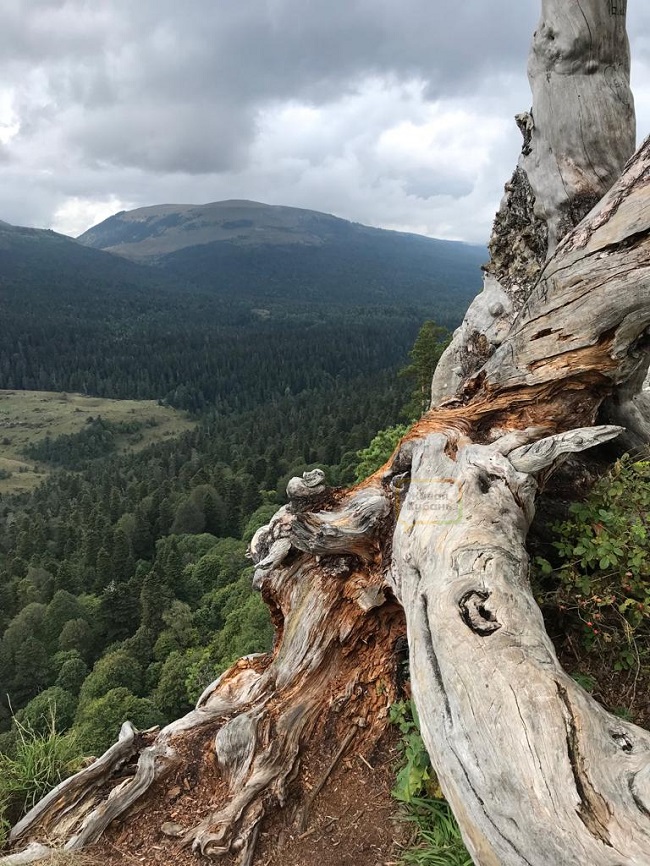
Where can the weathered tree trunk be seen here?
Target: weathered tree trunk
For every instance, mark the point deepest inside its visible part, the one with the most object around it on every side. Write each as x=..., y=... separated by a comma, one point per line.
x=332, y=674
x=536, y=771
x=576, y=141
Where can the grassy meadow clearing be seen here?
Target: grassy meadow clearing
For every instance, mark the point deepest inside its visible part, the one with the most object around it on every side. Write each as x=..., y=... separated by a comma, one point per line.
x=28, y=417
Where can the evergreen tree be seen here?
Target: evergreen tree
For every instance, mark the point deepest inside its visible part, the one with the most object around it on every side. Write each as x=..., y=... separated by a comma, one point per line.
x=31, y=670
x=155, y=598
x=430, y=343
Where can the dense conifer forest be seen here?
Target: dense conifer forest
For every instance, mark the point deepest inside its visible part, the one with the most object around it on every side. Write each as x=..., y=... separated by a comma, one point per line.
x=124, y=587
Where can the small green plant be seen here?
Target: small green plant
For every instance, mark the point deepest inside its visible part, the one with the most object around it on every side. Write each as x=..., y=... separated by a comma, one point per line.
x=604, y=564
x=379, y=450
x=623, y=713
x=587, y=682
x=40, y=762
x=5, y=827
x=438, y=842
x=415, y=772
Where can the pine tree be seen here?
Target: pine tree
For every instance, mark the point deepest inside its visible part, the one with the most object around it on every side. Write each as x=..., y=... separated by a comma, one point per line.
x=430, y=343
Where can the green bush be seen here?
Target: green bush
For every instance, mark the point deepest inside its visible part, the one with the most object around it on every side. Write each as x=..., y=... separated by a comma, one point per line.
x=37, y=715
x=377, y=453
x=603, y=564
x=99, y=721
x=438, y=841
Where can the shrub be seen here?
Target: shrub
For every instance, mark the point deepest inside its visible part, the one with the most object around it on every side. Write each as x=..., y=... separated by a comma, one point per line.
x=603, y=564
x=379, y=450
x=99, y=721
x=438, y=840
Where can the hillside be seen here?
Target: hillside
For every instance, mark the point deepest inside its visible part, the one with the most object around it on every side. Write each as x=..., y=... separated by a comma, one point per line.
x=108, y=541
x=264, y=322
x=38, y=258
x=273, y=253
x=123, y=581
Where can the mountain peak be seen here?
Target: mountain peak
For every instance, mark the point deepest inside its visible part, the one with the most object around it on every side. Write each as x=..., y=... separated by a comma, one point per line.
x=149, y=233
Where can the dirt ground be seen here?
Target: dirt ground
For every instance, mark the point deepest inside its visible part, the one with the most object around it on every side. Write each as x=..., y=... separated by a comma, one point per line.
x=353, y=820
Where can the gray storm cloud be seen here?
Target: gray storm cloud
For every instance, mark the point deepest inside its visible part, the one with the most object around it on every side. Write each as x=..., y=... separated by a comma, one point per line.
x=324, y=105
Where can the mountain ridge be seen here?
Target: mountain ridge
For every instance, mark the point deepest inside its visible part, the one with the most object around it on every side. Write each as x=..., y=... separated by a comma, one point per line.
x=271, y=253
x=154, y=231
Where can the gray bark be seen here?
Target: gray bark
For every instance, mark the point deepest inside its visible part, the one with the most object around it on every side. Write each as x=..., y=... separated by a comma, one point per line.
x=537, y=773
x=576, y=141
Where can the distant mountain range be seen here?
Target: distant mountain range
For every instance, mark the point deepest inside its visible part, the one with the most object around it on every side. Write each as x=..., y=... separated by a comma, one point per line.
x=269, y=252
x=225, y=305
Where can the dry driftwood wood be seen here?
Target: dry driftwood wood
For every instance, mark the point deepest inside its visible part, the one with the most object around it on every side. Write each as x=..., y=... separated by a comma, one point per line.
x=536, y=771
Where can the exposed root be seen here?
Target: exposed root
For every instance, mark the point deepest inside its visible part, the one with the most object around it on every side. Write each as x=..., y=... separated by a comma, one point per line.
x=332, y=674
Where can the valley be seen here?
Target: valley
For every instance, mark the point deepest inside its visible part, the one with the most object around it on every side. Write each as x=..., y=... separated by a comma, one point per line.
x=151, y=414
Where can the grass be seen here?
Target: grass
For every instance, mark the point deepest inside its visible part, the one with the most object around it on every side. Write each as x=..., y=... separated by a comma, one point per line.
x=438, y=841
x=26, y=417
x=40, y=762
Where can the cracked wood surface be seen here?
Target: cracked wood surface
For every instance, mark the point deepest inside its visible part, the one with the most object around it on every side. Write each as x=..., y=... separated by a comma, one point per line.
x=333, y=667
x=589, y=311
x=537, y=773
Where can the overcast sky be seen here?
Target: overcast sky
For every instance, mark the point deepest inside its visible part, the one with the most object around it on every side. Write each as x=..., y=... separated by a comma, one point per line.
x=394, y=113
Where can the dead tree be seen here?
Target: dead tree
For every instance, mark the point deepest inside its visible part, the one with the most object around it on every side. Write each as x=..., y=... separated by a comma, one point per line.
x=536, y=771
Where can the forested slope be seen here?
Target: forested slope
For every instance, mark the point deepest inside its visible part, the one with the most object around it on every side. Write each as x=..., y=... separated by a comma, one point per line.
x=123, y=582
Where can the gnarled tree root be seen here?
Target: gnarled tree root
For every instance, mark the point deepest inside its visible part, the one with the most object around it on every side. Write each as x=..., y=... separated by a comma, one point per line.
x=332, y=672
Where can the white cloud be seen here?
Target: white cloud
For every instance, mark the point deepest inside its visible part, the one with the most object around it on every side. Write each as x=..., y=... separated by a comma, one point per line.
x=9, y=122
x=76, y=214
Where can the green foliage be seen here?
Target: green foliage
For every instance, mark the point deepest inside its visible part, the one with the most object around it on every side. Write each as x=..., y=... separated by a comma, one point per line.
x=604, y=564
x=222, y=565
x=623, y=713
x=171, y=695
x=430, y=343
x=99, y=721
x=438, y=842
x=55, y=706
x=379, y=450
x=132, y=566
x=73, y=450
x=188, y=518
x=72, y=673
x=415, y=771
x=115, y=669
x=259, y=518
x=179, y=634
x=242, y=625
x=585, y=681
x=40, y=761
